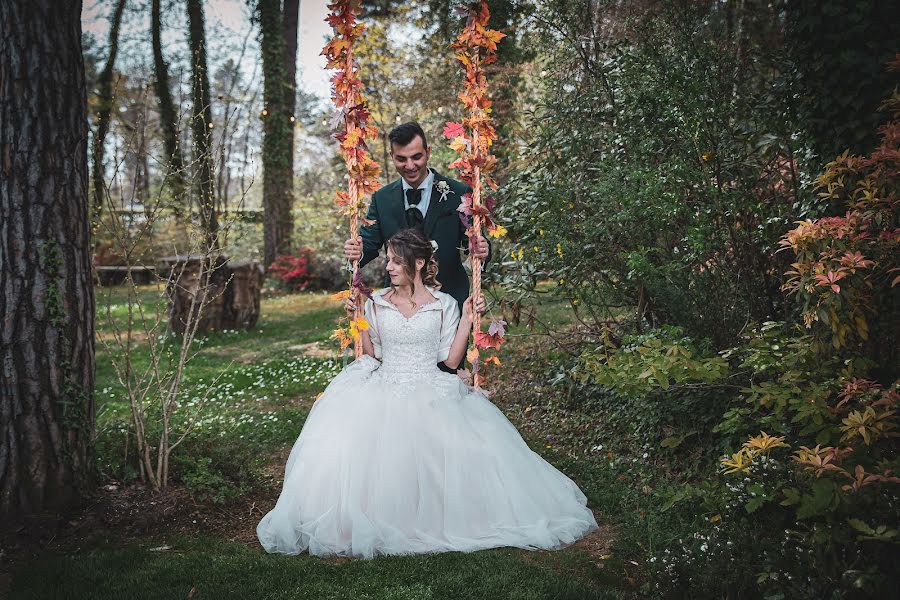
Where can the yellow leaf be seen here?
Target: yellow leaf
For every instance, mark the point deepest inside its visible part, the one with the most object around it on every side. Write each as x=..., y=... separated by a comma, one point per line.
x=459, y=144
x=497, y=232
x=361, y=323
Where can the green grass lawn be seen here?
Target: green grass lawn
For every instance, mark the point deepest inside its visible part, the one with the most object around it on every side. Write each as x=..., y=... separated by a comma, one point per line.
x=266, y=380
x=219, y=570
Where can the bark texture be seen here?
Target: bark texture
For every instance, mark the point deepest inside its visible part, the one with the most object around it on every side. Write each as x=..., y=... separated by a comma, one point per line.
x=47, y=307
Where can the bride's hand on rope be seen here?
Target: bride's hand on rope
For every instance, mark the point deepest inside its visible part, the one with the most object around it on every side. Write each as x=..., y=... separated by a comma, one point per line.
x=350, y=302
x=467, y=308
x=461, y=339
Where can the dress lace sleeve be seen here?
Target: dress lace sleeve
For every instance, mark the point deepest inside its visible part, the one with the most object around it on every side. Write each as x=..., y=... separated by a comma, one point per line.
x=372, y=318
x=449, y=325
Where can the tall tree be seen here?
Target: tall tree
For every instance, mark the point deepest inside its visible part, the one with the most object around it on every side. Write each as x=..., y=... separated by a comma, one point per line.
x=168, y=116
x=278, y=133
x=201, y=122
x=105, y=101
x=47, y=307
x=291, y=15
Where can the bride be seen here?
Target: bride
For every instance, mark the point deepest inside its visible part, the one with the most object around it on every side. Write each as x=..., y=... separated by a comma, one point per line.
x=399, y=457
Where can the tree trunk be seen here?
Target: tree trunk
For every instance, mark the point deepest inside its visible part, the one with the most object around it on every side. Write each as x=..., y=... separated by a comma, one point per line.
x=104, y=109
x=47, y=308
x=167, y=115
x=291, y=14
x=201, y=121
x=278, y=135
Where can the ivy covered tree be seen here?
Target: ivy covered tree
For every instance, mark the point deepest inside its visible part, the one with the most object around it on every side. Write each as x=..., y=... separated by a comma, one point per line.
x=276, y=29
x=47, y=307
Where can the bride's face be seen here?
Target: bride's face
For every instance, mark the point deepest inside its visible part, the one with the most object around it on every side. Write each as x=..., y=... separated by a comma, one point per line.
x=397, y=269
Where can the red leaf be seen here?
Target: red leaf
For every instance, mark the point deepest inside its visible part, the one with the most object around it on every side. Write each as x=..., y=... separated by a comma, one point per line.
x=485, y=340
x=453, y=130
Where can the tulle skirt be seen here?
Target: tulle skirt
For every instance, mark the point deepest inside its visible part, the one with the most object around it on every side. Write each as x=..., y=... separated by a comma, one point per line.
x=393, y=465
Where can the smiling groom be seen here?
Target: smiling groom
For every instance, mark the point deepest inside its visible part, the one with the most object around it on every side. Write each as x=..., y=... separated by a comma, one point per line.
x=422, y=198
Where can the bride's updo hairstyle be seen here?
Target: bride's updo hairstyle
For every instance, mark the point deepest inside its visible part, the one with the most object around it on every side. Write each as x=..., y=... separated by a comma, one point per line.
x=410, y=245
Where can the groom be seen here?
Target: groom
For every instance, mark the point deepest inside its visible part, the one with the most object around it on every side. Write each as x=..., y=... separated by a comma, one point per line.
x=421, y=198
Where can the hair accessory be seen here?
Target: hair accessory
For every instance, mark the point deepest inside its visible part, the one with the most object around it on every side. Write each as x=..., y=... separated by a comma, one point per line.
x=434, y=245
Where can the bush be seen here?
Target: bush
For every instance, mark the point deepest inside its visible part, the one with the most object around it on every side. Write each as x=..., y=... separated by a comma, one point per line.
x=292, y=270
x=846, y=268
x=680, y=164
x=314, y=271
x=807, y=497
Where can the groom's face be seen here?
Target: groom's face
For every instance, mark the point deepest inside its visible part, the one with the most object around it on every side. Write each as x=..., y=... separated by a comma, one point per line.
x=411, y=160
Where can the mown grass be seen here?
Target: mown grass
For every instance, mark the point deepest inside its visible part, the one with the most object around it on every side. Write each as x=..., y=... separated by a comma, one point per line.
x=266, y=380
x=215, y=569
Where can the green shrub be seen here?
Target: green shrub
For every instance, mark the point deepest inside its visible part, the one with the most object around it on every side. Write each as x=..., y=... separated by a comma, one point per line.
x=659, y=174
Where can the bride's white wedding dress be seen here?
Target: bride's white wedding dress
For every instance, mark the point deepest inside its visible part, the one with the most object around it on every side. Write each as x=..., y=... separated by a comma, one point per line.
x=399, y=457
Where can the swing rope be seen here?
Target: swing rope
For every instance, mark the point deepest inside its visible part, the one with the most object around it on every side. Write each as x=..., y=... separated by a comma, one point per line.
x=362, y=172
x=476, y=47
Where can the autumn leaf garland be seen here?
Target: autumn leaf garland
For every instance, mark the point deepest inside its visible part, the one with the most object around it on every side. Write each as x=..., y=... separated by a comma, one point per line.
x=362, y=171
x=476, y=47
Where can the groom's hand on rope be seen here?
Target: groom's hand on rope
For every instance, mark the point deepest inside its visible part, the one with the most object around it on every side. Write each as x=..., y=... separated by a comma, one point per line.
x=353, y=249
x=480, y=248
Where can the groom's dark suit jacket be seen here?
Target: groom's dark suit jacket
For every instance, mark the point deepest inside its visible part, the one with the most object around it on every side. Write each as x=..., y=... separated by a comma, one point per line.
x=442, y=224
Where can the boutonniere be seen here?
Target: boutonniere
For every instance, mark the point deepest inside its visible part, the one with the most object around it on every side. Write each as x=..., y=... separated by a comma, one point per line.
x=444, y=188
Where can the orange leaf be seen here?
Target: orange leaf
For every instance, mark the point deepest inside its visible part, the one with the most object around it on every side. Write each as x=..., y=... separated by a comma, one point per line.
x=472, y=355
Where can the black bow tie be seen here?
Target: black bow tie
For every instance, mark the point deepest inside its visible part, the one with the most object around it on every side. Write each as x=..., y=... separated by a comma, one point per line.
x=413, y=197
x=414, y=218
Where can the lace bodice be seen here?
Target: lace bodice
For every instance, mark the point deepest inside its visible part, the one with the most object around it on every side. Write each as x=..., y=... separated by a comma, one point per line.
x=412, y=347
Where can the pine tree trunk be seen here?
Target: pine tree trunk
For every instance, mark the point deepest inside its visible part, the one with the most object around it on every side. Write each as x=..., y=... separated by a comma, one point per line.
x=200, y=124
x=105, y=104
x=47, y=307
x=278, y=135
x=167, y=115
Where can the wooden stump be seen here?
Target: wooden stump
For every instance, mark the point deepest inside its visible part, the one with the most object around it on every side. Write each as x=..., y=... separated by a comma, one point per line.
x=246, y=284
x=228, y=300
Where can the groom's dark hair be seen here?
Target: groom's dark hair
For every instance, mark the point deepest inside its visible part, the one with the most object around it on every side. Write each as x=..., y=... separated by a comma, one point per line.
x=406, y=133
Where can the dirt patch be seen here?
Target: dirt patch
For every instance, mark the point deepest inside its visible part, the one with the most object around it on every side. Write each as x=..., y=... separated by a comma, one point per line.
x=314, y=350
x=598, y=543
